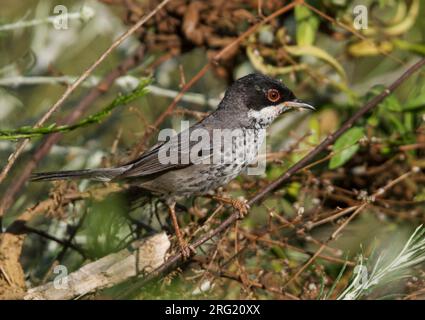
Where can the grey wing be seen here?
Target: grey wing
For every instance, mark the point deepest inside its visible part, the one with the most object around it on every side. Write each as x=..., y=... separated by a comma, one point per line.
x=173, y=154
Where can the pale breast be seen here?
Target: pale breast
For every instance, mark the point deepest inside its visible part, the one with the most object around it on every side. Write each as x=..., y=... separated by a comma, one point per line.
x=200, y=179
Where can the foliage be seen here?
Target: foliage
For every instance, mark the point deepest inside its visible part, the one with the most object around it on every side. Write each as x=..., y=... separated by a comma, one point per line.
x=98, y=117
x=284, y=249
x=412, y=254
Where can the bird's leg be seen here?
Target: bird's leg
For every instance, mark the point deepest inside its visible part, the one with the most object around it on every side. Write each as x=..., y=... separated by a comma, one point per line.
x=240, y=205
x=185, y=249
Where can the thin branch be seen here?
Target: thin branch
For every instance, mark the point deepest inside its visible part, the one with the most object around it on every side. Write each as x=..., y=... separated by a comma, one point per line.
x=48, y=236
x=123, y=82
x=357, y=211
x=371, y=104
x=21, y=146
x=80, y=288
x=12, y=240
x=169, y=110
x=120, y=100
x=11, y=192
x=85, y=14
x=259, y=196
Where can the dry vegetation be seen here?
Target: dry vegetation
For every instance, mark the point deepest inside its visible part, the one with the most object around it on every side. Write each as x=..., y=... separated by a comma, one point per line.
x=352, y=202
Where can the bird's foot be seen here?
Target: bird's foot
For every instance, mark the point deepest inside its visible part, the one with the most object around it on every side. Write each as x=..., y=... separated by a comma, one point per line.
x=241, y=206
x=186, y=249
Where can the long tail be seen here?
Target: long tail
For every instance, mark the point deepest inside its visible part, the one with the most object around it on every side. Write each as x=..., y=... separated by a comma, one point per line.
x=104, y=174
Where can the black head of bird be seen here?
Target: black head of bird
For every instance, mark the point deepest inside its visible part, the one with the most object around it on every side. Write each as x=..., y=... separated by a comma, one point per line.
x=259, y=98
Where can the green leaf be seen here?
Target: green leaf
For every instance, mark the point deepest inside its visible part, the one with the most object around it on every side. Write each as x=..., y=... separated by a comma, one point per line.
x=121, y=99
x=276, y=265
x=278, y=251
x=294, y=189
x=309, y=50
x=418, y=48
x=396, y=123
x=385, y=150
x=373, y=121
x=416, y=103
x=307, y=24
x=391, y=103
x=345, y=147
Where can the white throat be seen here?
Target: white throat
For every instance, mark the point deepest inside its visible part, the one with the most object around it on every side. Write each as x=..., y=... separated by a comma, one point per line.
x=264, y=117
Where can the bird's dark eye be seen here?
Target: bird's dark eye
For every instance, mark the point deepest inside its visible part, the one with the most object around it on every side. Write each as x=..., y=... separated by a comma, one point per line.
x=273, y=95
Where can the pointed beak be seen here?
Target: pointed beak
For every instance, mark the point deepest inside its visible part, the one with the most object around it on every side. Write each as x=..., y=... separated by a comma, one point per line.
x=298, y=104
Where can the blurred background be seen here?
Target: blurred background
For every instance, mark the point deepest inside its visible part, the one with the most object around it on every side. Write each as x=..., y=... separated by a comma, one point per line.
x=334, y=54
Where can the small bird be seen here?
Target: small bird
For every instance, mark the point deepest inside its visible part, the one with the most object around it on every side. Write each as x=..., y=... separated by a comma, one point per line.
x=201, y=166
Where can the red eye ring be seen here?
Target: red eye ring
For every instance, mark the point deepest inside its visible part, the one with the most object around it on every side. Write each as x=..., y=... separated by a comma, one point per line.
x=273, y=95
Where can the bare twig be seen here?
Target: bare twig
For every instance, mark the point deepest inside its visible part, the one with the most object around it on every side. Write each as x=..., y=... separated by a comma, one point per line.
x=357, y=211
x=323, y=246
x=48, y=236
x=169, y=110
x=257, y=198
x=190, y=97
x=10, y=194
x=85, y=14
x=332, y=137
x=21, y=146
x=174, y=260
x=12, y=240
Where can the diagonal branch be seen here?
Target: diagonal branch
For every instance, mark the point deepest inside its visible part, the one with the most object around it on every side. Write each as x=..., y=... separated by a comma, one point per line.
x=259, y=196
x=11, y=192
x=172, y=262
x=169, y=110
x=21, y=146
